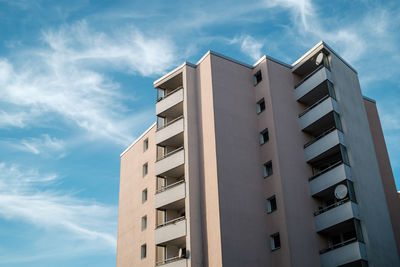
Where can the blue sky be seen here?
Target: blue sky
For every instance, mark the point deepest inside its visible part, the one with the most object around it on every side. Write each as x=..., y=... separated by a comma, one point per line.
x=76, y=89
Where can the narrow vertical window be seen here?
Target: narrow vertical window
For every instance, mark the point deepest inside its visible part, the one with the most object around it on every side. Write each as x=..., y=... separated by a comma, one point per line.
x=257, y=77
x=144, y=222
x=338, y=122
x=275, y=241
x=144, y=195
x=271, y=204
x=345, y=156
x=145, y=144
x=145, y=169
x=143, y=251
x=260, y=105
x=331, y=90
x=264, y=136
x=267, y=169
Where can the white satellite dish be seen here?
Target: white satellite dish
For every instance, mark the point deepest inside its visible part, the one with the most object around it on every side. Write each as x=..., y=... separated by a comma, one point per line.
x=319, y=59
x=341, y=191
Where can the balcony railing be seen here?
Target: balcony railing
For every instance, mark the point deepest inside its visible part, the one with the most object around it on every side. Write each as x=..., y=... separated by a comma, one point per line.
x=170, y=93
x=166, y=261
x=309, y=75
x=320, y=136
x=342, y=244
x=170, y=153
x=314, y=105
x=330, y=167
x=171, y=222
x=169, y=123
x=334, y=205
x=163, y=188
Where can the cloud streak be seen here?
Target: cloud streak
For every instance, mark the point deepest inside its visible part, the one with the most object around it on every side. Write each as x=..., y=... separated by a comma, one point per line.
x=25, y=196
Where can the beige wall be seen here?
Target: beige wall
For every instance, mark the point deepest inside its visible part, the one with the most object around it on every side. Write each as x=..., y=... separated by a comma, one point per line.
x=131, y=209
x=292, y=167
x=385, y=168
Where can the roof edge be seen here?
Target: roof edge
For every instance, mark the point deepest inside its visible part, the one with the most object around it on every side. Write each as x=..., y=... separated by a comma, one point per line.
x=369, y=99
x=137, y=139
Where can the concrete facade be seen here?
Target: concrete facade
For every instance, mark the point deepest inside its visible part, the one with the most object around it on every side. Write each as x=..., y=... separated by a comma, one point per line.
x=317, y=191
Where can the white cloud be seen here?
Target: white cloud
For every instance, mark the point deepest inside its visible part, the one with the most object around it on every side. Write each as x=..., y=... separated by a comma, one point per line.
x=25, y=196
x=44, y=145
x=65, y=79
x=249, y=46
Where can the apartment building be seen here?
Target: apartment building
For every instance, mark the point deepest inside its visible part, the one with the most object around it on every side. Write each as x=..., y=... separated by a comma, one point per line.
x=260, y=165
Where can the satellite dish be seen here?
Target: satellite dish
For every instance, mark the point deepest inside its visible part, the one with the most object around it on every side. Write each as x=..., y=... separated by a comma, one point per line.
x=319, y=59
x=341, y=191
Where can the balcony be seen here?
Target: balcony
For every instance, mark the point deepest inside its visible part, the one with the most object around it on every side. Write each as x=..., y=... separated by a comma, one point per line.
x=170, y=104
x=324, y=145
x=329, y=177
x=319, y=116
x=313, y=86
x=171, y=196
x=173, y=262
x=343, y=253
x=173, y=232
x=171, y=164
x=171, y=134
x=335, y=214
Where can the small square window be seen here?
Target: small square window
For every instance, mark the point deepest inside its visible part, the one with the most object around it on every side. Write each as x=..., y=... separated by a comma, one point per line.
x=257, y=77
x=144, y=195
x=144, y=222
x=145, y=144
x=264, y=136
x=275, y=241
x=271, y=204
x=143, y=251
x=267, y=169
x=145, y=169
x=260, y=105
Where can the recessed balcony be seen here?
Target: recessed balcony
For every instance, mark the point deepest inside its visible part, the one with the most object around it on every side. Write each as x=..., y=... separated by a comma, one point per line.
x=170, y=104
x=171, y=196
x=171, y=134
x=329, y=177
x=319, y=116
x=313, y=86
x=344, y=253
x=335, y=214
x=172, y=232
x=171, y=164
x=173, y=262
x=324, y=145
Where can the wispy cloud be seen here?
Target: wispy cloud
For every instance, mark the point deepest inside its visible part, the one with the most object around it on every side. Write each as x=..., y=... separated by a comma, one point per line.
x=66, y=79
x=249, y=46
x=45, y=145
x=26, y=195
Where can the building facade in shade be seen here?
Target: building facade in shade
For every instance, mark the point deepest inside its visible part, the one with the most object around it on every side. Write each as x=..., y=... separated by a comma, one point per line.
x=264, y=165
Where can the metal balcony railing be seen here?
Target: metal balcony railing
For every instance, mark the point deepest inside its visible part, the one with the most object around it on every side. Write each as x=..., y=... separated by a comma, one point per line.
x=309, y=75
x=342, y=244
x=314, y=105
x=166, y=187
x=171, y=222
x=168, y=123
x=177, y=258
x=330, y=167
x=170, y=153
x=320, y=136
x=334, y=205
x=168, y=94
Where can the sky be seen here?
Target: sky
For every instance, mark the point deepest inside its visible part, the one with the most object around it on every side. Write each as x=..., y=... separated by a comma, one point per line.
x=76, y=88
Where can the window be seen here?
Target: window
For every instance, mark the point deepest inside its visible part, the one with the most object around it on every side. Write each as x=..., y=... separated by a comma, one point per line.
x=275, y=241
x=338, y=122
x=260, y=105
x=271, y=204
x=264, y=136
x=144, y=195
x=331, y=90
x=145, y=169
x=145, y=144
x=144, y=222
x=143, y=251
x=257, y=77
x=267, y=169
